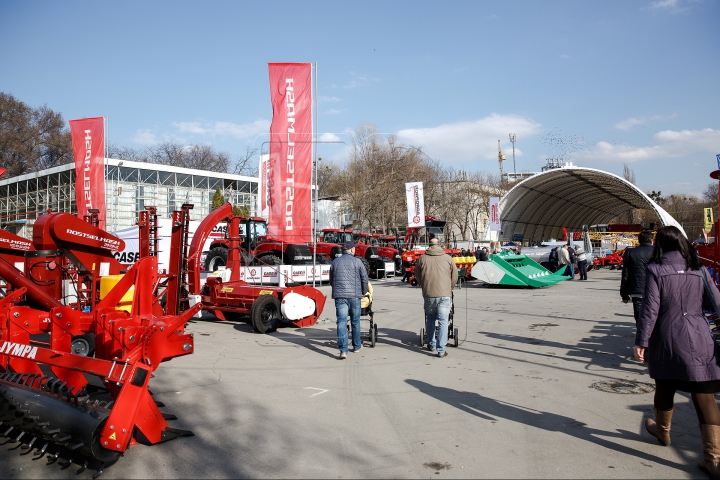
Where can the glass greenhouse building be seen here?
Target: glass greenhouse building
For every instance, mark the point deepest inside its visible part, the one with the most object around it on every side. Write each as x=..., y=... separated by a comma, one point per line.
x=129, y=187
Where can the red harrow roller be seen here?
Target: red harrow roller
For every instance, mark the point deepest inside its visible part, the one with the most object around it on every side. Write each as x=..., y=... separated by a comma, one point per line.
x=88, y=410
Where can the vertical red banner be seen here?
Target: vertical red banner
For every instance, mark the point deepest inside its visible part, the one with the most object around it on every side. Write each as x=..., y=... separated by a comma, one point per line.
x=290, y=161
x=88, y=139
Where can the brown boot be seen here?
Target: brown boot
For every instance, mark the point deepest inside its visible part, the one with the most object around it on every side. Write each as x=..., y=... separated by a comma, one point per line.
x=711, y=450
x=660, y=427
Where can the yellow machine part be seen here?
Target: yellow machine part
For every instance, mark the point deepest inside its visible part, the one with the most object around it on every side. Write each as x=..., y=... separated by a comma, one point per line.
x=108, y=282
x=367, y=300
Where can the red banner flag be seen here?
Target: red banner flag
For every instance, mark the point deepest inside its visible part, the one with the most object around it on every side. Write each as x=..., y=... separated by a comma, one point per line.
x=290, y=152
x=88, y=139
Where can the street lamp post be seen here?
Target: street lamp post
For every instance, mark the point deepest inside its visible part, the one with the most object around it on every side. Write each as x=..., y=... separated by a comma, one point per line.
x=512, y=139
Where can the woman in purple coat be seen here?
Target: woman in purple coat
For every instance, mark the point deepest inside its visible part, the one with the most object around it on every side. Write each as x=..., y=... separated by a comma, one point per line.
x=675, y=339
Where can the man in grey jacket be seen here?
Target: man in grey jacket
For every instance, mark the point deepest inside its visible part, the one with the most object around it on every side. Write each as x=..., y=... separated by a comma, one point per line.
x=436, y=274
x=349, y=282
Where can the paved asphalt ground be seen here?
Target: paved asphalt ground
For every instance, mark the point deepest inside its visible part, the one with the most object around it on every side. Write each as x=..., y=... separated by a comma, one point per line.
x=514, y=400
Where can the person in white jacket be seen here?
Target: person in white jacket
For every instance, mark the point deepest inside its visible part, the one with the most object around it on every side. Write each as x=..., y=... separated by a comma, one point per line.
x=582, y=262
x=564, y=257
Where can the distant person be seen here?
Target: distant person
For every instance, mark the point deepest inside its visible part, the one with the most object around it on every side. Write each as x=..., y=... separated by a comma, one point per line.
x=553, y=259
x=406, y=266
x=564, y=258
x=484, y=255
x=477, y=253
x=573, y=260
x=632, y=281
x=582, y=262
x=349, y=282
x=436, y=274
x=674, y=338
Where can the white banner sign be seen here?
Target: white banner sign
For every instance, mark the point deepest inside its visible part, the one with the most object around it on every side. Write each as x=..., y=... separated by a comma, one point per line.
x=416, y=204
x=494, y=214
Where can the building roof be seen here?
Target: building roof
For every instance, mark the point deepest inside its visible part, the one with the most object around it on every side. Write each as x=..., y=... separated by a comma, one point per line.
x=540, y=206
x=129, y=164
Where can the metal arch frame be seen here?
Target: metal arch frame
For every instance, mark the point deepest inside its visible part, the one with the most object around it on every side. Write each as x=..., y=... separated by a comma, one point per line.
x=545, y=203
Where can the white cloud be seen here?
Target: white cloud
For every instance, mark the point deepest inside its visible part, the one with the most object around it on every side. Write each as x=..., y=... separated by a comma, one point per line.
x=672, y=6
x=326, y=99
x=357, y=81
x=665, y=4
x=471, y=140
x=328, y=137
x=671, y=144
x=629, y=123
x=222, y=129
x=564, y=56
x=333, y=111
x=145, y=137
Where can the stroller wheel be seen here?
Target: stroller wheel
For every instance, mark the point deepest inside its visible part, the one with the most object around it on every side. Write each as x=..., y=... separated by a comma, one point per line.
x=422, y=337
x=456, y=335
x=373, y=335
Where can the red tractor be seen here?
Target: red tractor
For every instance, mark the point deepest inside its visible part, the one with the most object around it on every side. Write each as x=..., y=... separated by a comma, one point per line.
x=258, y=248
x=387, y=252
x=331, y=248
x=434, y=228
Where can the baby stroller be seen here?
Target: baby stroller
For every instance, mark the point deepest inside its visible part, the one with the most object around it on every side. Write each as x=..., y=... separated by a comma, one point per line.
x=366, y=313
x=453, y=333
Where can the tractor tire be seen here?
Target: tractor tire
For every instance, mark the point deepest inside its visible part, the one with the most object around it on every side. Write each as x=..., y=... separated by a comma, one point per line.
x=322, y=260
x=216, y=258
x=367, y=265
x=268, y=261
x=265, y=314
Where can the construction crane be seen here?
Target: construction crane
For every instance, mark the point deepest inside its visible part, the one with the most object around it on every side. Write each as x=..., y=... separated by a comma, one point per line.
x=501, y=157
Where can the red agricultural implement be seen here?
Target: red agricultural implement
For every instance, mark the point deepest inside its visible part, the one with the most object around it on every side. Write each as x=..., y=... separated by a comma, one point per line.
x=434, y=228
x=66, y=286
x=87, y=410
x=612, y=260
x=229, y=297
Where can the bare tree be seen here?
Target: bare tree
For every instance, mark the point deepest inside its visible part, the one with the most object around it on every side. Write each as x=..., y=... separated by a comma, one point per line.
x=31, y=139
x=246, y=163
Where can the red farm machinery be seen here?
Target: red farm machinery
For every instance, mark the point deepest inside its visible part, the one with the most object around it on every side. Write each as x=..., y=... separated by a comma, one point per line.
x=80, y=336
x=257, y=248
x=334, y=238
x=418, y=238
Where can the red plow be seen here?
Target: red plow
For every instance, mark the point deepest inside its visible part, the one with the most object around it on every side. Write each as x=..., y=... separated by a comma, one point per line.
x=80, y=337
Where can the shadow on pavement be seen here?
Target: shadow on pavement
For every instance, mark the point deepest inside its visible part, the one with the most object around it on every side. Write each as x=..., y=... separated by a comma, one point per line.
x=492, y=410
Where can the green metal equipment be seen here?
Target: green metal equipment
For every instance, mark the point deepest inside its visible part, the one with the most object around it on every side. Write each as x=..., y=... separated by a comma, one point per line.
x=516, y=270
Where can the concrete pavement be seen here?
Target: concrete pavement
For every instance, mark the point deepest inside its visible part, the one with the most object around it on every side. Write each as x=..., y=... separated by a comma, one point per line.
x=514, y=400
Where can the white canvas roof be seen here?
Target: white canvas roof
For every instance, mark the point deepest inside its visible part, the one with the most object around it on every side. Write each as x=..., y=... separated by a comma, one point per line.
x=540, y=206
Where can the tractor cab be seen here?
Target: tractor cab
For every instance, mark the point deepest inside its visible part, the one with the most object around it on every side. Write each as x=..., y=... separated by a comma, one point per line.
x=251, y=230
x=337, y=236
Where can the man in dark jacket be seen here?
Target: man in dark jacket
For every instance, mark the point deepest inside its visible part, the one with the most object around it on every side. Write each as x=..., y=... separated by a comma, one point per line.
x=632, y=282
x=553, y=259
x=437, y=275
x=573, y=259
x=349, y=282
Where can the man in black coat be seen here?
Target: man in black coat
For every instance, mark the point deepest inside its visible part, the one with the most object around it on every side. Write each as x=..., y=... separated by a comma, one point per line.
x=635, y=260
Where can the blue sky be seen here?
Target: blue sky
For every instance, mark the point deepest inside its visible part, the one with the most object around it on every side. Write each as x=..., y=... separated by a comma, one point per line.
x=599, y=83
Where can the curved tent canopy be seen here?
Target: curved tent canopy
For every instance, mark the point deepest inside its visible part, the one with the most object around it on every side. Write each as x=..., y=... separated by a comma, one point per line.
x=540, y=206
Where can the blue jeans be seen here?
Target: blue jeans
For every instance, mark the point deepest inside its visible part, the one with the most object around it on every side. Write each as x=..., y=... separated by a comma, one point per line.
x=582, y=267
x=343, y=308
x=571, y=266
x=437, y=308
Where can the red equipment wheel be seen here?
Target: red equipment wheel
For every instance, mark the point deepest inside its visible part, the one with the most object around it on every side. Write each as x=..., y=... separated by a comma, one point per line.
x=265, y=314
